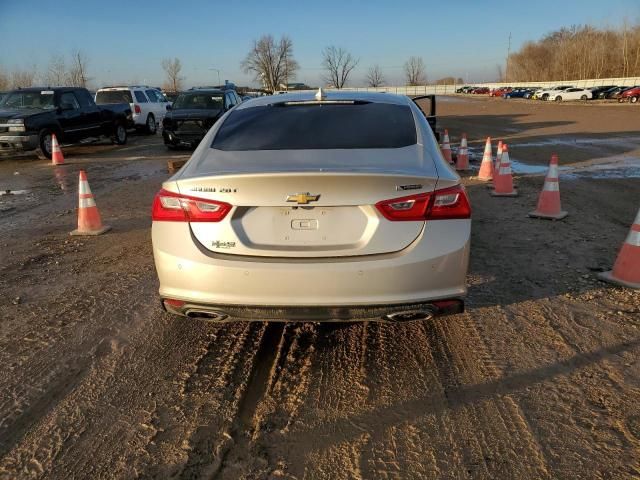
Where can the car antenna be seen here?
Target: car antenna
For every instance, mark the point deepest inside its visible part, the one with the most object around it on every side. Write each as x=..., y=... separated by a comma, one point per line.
x=320, y=95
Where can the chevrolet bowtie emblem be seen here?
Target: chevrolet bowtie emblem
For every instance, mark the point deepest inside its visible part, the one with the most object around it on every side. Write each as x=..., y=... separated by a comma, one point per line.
x=302, y=198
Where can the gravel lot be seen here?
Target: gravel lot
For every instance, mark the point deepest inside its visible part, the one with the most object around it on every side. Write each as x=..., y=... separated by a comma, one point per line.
x=539, y=379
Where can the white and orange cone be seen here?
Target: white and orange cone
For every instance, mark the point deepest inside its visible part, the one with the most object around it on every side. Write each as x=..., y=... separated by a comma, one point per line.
x=486, y=167
x=462, y=162
x=503, y=180
x=446, y=147
x=89, y=221
x=498, y=156
x=626, y=270
x=549, y=199
x=56, y=153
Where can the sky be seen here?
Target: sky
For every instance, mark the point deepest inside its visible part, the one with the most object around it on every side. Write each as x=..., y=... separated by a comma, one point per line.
x=125, y=41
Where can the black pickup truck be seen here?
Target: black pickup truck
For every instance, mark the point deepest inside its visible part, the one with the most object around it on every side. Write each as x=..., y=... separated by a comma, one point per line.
x=29, y=116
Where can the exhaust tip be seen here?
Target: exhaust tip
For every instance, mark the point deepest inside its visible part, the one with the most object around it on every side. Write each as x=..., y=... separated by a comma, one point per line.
x=207, y=315
x=409, y=315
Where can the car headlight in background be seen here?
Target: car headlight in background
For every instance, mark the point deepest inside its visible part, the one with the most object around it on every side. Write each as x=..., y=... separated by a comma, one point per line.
x=16, y=125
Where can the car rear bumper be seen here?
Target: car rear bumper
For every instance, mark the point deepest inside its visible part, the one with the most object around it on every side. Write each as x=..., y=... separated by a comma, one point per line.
x=433, y=267
x=18, y=143
x=393, y=313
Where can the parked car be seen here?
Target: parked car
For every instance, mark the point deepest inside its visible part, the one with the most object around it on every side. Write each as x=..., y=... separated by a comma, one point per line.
x=148, y=104
x=596, y=91
x=464, y=89
x=518, y=93
x=612, y=93
x=571, y=94
x=29, y=117
x=193, y=113
x=631, y=94
x=337, y=206
x=480, y=90
x=498, y=92
x=545, y=93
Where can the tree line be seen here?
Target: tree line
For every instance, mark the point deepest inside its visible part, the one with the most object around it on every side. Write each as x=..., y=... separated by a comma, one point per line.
x=577, y=52
x=68, y=71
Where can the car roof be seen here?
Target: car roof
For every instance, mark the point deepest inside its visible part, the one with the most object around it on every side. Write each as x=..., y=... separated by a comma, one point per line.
x=310, y=96
x=204, y=90
x=38, y=89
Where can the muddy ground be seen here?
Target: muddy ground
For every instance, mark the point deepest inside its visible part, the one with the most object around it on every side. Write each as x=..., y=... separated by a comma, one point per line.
x=539, y=379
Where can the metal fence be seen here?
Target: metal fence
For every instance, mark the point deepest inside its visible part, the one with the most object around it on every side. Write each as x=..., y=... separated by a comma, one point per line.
x=450, y=89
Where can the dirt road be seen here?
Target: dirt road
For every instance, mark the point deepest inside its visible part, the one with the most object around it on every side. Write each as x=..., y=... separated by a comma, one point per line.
x=539, y=379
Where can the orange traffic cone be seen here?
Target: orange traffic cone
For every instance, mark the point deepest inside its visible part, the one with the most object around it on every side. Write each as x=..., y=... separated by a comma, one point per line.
x=626, y=270
x=549, y=200
x=89, y=221
x=56, y=153
x=463, y=154
x=486, y=167
x=498, y=156
x=446, y=147
x=503, y=180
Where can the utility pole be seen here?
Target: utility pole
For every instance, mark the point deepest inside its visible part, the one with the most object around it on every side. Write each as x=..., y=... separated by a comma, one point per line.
x=216, y=70
x=506, y=70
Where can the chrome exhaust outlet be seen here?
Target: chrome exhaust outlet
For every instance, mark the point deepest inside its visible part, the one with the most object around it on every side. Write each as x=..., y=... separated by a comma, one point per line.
x=409, y=315
x=213, y=315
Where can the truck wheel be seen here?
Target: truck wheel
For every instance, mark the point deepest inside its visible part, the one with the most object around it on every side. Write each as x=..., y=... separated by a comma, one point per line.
x=119, y=134
x=151, y=125
x=634, y=99
x=583, y=97
x=558, y=98
x=44, y=142
x=545, y=96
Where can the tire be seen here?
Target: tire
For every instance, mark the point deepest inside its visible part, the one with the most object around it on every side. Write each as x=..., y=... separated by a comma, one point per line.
x=44, y=143
x=620, y=100
x=558, y=98
x=150, y=126
x=119, y=134
x=545, y=96
x=633, y=99
x=583, y=97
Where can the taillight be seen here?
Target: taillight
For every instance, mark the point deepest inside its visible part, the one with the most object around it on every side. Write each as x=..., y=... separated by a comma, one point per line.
x=136, y=108
x=173, y=207
x=444, y=204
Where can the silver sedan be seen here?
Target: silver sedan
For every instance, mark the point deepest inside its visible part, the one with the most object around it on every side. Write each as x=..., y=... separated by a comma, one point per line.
x=321, y=207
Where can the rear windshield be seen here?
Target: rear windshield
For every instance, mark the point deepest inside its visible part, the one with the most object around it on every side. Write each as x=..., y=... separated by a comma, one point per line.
x=114, y=96
x=312, y=127
x=199, y=101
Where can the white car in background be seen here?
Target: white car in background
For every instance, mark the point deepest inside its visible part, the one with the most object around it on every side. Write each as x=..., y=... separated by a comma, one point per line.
x=545, y=93
x=571, y=94
x=148, y=104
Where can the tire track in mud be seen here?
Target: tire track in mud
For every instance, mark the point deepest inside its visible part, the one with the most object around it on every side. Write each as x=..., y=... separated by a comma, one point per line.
x=495, y=438
x=236, y=452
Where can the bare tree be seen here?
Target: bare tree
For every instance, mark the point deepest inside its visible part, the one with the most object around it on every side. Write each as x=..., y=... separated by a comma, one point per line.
x=271, y=62
x=77, y=75
x=375, y=77
x=4, y=80
x=414, y=71
x=23, y=78
x=338, y=64
x=56, y=74
x=172, y=69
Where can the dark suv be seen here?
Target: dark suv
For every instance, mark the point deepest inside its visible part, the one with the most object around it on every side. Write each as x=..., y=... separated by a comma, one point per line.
x=193, y=113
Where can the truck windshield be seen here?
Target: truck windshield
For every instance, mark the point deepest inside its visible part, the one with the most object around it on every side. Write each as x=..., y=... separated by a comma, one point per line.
x=42, y=100
x=200, y=101
x=113, y=96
